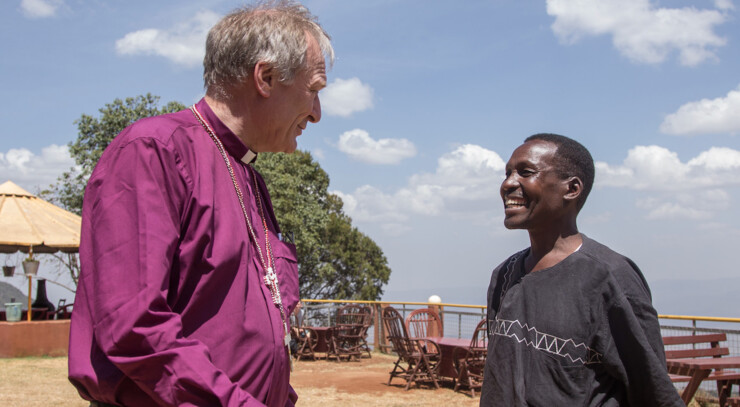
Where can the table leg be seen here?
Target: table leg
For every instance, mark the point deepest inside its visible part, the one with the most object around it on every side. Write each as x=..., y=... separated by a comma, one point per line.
x=696, y=378
x=724, y=390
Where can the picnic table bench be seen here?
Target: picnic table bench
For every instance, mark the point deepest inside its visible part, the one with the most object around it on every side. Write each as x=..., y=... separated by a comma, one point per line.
x=705, y=360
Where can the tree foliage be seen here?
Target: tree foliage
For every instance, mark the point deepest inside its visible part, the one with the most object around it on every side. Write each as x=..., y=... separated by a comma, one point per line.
x=335, y=259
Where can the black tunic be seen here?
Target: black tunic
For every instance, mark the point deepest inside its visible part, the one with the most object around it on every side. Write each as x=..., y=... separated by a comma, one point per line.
x=581, y=333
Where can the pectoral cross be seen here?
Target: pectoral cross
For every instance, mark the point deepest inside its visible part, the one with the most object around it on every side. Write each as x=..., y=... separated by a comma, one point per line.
x=271, y=280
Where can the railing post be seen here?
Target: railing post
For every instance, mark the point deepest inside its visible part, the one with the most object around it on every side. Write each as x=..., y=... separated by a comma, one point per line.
x=376, y=327
x=459, y=325
x=441, y=312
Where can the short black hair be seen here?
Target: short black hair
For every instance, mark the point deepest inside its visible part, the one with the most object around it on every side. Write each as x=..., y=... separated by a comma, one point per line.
x=571, y=159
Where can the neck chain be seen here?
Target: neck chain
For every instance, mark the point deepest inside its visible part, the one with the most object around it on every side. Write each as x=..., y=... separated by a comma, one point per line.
x=270, y=278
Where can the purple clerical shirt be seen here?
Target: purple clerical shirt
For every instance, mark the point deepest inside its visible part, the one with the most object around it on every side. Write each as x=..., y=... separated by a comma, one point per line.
x=171, y=308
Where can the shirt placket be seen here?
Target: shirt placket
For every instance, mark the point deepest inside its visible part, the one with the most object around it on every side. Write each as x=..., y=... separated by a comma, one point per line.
x=273, y=311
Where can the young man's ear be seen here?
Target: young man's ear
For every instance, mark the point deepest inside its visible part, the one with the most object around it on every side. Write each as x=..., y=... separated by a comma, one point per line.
x=575, y=188
x=265, y=78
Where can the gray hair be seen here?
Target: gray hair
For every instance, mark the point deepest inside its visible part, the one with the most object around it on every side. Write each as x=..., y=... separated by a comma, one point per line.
x=270, y=31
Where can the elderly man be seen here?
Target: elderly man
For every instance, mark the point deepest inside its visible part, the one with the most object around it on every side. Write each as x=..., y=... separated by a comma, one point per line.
x=185, y=287
x=570, y=321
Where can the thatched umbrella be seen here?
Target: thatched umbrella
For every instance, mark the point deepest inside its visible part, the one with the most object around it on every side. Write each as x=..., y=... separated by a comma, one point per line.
x=30, y=224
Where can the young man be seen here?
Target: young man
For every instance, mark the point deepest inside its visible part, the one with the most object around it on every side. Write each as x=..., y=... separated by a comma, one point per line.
x=570, y=321
x=185, y=288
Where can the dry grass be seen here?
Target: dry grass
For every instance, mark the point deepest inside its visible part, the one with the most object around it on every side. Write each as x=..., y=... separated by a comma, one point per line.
x=37, y=382
x=42, y=382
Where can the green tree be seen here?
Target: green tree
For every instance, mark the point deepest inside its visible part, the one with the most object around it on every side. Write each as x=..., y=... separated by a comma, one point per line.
x=335, y=260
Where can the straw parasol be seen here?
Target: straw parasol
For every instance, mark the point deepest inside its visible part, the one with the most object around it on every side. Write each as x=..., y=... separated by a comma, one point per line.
x=30, y=224
x=27, y=221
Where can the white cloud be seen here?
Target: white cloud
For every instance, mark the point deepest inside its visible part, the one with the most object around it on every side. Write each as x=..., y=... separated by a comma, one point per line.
x=346, y=96
x=656, y=168
x=40, y=8
x=318, y=154
x=641, y=31
x=465, y=184
x=692, y=190
x=670, y=210
x=720, y=115
x=359, y=145
x=724, y=4
x=32, y=171
x=370, y=204
x=685, y=205
x=183, y=44
x=717, y=159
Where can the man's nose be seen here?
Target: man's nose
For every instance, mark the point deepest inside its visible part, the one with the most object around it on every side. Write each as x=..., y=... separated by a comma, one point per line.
x=315, y=115
x=508, y=183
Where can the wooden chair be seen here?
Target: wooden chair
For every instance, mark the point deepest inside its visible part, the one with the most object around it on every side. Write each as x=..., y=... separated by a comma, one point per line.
x=421, y=366
x=368, y=322
x=470, y=362
x=306, y=338
x=347, y=334
x=62, y=312
x=424, y=323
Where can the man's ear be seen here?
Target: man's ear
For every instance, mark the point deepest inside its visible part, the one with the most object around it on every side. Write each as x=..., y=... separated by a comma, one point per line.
x=265, y=78
x=575, y=188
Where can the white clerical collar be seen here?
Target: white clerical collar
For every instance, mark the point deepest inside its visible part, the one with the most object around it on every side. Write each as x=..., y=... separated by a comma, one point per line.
x=249, y=157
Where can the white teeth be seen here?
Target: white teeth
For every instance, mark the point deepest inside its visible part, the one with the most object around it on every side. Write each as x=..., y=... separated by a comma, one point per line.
x=512, y=202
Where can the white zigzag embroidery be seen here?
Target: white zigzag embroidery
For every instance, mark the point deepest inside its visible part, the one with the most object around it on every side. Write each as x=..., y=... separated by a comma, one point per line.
x=509, y=271
x=530, y=336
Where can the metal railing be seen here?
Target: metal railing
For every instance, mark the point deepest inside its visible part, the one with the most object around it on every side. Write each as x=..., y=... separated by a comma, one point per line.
x=690, y=325
x=460, y=320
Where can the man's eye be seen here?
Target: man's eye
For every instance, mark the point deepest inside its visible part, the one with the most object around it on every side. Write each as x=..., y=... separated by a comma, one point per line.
x=526, y=173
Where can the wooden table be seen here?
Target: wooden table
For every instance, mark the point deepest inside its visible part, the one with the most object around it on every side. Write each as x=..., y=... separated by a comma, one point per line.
x=324, y=336
x=447, y=348
x=699, y=369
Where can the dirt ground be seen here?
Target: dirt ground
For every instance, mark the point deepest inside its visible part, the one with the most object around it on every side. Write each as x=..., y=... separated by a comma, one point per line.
x=364, y=383
x=42, y=382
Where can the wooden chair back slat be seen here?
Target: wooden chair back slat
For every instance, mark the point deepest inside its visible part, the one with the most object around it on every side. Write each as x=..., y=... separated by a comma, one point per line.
x=714, y=339
x=424, y=323
x=696, y=353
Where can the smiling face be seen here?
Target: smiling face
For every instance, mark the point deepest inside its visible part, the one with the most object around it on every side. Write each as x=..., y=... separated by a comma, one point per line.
x=533, y=192
x=296, y=103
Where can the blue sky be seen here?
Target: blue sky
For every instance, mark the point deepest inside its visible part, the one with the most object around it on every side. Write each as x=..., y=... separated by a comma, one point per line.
x=425, y=103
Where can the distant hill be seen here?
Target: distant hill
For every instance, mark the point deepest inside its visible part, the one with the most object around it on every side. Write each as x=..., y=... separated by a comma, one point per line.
x=700, y=297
